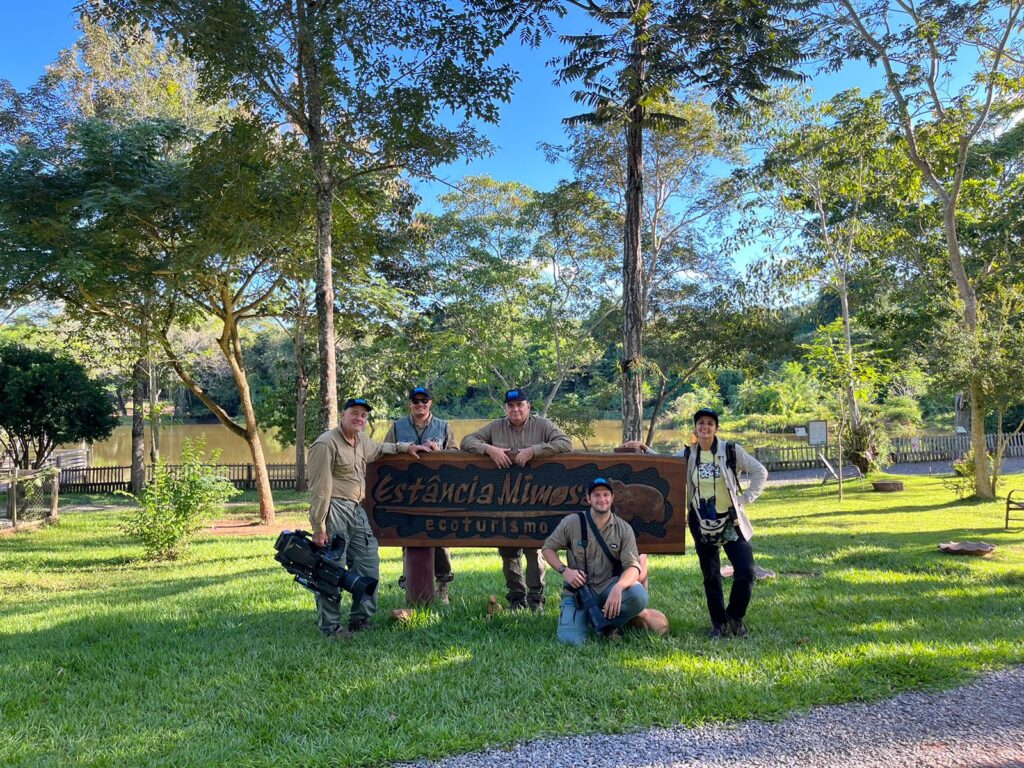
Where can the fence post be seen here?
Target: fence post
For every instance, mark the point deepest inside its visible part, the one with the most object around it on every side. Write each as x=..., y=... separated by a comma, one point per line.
x=54, y=494
x=249, y=482
x=12, y=499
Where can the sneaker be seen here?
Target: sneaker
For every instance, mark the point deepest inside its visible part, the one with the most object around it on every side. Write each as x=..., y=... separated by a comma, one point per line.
x=518, y=605
x=738, y=628
x=536, y=607
x=442, y=593
x=718, y=632
x=359, y=625
x=613, y=636
x=338, y=633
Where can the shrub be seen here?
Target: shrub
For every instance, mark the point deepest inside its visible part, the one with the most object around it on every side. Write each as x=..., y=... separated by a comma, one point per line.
x=174, y=503
x=962, y=481
x=901, y=413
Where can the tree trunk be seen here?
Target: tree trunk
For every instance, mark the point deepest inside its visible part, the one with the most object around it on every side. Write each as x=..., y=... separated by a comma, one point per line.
x=308, y=14
x=851, y=392
x=138, y=472
x=154, y=415
x=982, y=481
x=633, y=310
x=301, y=395
x=662, y=394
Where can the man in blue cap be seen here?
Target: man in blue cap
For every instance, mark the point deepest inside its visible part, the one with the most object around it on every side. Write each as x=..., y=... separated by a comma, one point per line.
x=337, y=484
x=601, y=548
x=423, y=428
x=531, y=437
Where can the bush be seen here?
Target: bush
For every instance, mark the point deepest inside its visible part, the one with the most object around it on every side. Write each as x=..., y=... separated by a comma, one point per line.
x=867, y=447
x=174, y=503
x=901, y=413
x=962, y=482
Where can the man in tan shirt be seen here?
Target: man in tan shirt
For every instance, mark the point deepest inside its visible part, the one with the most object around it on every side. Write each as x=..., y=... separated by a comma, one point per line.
x=533, y=437
x=616, y=584
x=336, y=468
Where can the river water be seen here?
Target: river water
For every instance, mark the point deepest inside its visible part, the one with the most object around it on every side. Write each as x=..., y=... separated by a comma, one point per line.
x=116, y=450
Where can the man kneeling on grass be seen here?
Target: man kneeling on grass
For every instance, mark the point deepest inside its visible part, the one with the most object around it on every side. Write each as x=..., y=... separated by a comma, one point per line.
x=602, y=553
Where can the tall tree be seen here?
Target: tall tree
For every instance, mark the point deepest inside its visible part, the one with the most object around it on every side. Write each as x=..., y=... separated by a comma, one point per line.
x=815, y=189
x=924, y=50
x=367, y=84
x=640, y=54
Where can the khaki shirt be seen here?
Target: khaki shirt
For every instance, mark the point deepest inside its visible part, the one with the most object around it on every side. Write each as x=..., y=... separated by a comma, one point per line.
x=619, y=537
x=541, y=434
x=337, y=470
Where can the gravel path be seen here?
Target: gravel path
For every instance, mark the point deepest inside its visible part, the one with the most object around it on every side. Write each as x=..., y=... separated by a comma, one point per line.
x=980, y=725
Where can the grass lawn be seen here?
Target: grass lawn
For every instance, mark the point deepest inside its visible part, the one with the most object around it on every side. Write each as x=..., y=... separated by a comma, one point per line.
x=215, y=660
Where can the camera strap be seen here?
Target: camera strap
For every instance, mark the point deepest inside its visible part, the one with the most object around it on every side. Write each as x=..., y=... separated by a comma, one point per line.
x=587, y=521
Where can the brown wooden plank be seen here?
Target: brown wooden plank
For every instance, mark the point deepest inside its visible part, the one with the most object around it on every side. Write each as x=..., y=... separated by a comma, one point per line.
x=456, y=499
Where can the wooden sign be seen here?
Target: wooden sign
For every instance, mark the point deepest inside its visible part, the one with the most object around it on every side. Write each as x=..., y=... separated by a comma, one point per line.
x=456, y=499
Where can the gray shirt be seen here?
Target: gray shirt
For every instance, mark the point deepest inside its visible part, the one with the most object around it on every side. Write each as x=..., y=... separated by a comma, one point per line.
x=538, y=433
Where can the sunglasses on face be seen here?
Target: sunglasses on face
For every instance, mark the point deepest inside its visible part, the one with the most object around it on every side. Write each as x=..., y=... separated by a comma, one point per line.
x=419, y=401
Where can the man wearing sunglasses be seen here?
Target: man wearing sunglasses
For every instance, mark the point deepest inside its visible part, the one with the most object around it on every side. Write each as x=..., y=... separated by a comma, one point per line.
x=421, y=427
x=531, y=437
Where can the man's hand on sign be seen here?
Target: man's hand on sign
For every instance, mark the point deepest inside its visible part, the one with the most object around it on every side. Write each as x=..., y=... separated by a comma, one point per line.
x=498, y=456
x=524, y=456
x=416, y=450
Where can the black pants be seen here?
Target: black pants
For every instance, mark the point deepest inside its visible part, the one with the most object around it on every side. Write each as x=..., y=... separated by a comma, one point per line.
x=741, y=555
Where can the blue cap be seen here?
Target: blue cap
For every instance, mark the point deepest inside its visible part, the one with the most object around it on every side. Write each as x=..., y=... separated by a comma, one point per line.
x=516, y=395
x=419, y=392
x=356, y=401
x=597, y=482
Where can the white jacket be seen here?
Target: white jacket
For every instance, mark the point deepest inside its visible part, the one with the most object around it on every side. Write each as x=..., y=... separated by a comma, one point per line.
x=744, y=463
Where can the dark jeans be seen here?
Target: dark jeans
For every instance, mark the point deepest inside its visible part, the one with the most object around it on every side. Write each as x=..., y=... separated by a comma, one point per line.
x=741, y=555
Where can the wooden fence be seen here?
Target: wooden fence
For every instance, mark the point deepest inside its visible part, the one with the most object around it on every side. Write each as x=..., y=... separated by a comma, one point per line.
x=775, y=459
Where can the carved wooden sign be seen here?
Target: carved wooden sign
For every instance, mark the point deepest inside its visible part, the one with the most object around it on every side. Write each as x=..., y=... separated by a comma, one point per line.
x=456, y=499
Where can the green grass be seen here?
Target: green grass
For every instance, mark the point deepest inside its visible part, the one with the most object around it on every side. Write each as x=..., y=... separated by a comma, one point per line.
x=215, y=660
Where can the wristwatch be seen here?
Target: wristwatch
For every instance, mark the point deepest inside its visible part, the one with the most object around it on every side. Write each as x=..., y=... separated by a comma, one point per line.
x=563, y=568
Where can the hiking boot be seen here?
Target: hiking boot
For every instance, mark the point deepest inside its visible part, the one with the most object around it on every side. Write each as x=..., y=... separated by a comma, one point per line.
x=442, y=593
x=518, y=605
x=613, y=636
x=338, y=633
x=359, y=625
x=737, y=628
x=718, y=632
x=536, y=607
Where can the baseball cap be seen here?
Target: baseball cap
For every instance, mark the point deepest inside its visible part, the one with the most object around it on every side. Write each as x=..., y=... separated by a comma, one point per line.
x=356, y=401
x=419, y=392
x=706, y=412
x=516, y=395
x=597, y=482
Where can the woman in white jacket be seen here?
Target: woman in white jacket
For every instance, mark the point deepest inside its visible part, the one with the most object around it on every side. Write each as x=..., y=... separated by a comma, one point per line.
x=717, y=517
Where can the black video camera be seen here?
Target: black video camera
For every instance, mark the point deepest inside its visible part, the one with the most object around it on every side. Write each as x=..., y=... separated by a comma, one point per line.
x=587, y=600
x=321, y=569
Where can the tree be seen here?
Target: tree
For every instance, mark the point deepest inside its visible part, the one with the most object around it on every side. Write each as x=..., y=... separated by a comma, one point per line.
x=366, y=84
x=119, y=79
x=46, y=400
x=823, y=169
x=941, y=115
x=644, y=52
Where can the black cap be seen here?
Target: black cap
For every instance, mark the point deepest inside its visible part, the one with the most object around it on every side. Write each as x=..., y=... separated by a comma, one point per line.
x=516, y=395
x=356, y=401
x=419, y=392
x=597, y=482
x=706, y=412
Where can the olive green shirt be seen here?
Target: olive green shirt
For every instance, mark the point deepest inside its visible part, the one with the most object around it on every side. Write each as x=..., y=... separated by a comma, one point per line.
x=538, y=433
x=337, y=469
x=619, y=537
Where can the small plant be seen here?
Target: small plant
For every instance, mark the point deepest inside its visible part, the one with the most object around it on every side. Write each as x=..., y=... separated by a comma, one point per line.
x=962, y=481
x=174, y=503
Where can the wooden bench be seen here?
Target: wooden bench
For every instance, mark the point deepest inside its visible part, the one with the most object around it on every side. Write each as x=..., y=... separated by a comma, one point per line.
x=1013, y=505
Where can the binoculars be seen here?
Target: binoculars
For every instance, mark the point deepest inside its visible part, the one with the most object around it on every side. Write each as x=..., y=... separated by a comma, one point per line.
x=321, y=570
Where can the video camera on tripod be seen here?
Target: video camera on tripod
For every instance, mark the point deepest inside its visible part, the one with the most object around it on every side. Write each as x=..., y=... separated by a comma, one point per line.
x=321, y=570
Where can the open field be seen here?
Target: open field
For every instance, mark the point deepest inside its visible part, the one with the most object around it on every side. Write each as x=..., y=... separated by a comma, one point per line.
x=214, y=660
